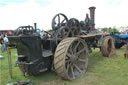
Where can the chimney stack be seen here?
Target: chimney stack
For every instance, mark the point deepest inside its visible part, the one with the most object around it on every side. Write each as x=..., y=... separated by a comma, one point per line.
x=92, y=16
x=35, y=26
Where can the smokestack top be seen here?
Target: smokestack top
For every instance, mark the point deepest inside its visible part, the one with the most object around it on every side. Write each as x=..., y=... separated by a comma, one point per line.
x=35, y=26
x=92, y=7
x=92, y=16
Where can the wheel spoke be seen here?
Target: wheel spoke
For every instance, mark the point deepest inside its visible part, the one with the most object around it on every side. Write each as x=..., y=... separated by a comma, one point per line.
x=67, y=60
x=71, y=49
x=72, y=72
x=63, y=20
x=63, y=33
x=68, y=66
x=67, y=35
x=79, y=52
x=77, y=68
x=69, y=55
x=81, y=60
x=58, y=19
x=72, y=32
x=75, y=48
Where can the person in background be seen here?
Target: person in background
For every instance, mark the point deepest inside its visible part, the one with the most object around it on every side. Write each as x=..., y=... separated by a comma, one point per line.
x=45, y=35
x=2, y=43
x=6, y=42
x=0, y=39
x=41, y=35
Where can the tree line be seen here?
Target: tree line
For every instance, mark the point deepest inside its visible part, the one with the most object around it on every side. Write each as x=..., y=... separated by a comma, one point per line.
x=109, y=29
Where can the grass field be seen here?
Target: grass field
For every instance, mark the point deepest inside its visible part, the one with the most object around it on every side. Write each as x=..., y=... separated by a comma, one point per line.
x=101, y=71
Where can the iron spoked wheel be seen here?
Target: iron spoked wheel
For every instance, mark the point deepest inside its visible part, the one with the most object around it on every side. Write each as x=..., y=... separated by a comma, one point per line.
x=63, y=32
x=58, y=21
x=108, y=46
x=71, y=58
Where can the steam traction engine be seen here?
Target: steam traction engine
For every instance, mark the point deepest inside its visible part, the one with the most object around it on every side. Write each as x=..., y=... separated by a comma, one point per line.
x=66, y=49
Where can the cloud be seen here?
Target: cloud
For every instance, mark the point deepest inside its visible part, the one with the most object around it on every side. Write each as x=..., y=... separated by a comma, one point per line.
x=43, y=2
x=114, y=2
x=7, y=2
x=13, y=1
x=3, y=4
x=42, y=12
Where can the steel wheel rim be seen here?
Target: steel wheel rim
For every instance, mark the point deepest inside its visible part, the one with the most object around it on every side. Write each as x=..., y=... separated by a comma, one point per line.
x=109, y=46
x=76, y=62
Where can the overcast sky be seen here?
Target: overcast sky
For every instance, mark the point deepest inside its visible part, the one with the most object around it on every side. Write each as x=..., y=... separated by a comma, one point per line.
x=14, y=13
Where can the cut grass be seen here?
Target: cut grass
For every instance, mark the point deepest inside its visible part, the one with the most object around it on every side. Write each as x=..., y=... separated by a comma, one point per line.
x=101, y=71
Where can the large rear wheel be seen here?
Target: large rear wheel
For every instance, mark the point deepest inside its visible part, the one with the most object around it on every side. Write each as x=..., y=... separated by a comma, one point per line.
x=71, y=58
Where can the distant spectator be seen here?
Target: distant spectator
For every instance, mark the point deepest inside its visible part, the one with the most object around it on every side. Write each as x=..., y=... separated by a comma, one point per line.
x=45, y=35
x=6, y=42
x=2, y=43
x=41, y=35
x=0, y=39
